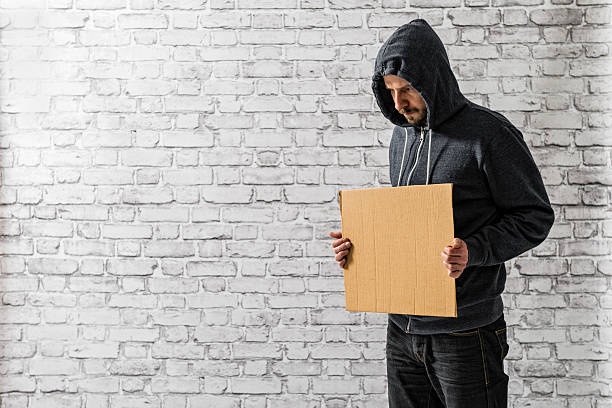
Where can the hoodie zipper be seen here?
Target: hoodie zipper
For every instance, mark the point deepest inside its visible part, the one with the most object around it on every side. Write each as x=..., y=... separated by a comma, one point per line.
x=416, y=160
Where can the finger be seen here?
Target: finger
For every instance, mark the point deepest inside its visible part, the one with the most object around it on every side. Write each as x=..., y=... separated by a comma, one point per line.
x=338, y=242
x=453, y=266
x=452, y=258
x=455, y=252
x=342, y=247
x=456, y=257
x=342, y=262
x=457, y=243
x=454, y=270
x=341, y=255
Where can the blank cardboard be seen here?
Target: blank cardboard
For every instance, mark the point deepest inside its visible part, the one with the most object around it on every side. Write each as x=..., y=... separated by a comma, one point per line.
x=397, y=235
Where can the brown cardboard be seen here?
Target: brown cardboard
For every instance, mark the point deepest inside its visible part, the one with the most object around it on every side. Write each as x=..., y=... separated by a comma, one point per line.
x=397, y=235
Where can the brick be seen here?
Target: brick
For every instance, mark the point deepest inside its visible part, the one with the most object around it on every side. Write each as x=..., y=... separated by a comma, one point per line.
x=539, y=301
x=268, y=176
x=137, y=195
x=518, y=102
x=288, y=301
x=556, y=85
x=13, y=383
x=349, y=138
x=590, y=176
x=589, y=68
x=513, y=17
x=84, y=248
x=309, y=157
x=435, y=3
x=539, y=369
x=334, y=316
x=309, y=194
x=296, y=368
x=580, y=284
x=348, y=176
x=100, y=5
x=556, y=120
x=514, y=34
x=350, y=36
x=335, y=386
x=169, y=249
x=592, y=103
x=134, y=367
x=188, y=177
x=255, y=385
x=395, y=19
x=297, y=334
x=93, y=284
x=474, y=17
x=90, y=350
x=251, y=351
x=591, y=35
x=20, y=176
x=227, y=195
x=25, y=104
x=510, y=67
x=212, y=300
x=335, y=351
x=468, y=52
x=556, y=16
x=504, y=3
x=346, y=103
x=597, y=15
x=132, y=21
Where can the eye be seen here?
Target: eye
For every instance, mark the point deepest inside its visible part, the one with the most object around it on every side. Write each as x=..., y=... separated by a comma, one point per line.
x=407, y=89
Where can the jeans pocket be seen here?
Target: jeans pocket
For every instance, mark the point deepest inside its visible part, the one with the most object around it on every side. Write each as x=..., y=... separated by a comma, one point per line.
x=502, y=338
x=464, y=333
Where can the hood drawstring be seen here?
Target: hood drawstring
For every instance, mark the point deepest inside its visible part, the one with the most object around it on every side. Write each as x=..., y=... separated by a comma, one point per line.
x=428, y=157
x=399, y=177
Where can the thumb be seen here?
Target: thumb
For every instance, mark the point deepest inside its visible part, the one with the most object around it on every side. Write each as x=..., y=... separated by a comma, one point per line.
x=457, y=243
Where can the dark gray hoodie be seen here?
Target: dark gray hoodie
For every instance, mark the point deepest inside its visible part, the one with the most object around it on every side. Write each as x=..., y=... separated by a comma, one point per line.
x=500, y=205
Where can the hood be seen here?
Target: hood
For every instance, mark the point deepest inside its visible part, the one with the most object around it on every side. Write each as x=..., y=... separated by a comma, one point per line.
x=415, y=53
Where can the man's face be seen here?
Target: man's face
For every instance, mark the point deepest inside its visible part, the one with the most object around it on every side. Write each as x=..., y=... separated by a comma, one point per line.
x=407, y=100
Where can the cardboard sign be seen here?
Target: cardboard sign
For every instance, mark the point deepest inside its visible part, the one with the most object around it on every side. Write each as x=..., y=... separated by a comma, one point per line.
x=397, y=235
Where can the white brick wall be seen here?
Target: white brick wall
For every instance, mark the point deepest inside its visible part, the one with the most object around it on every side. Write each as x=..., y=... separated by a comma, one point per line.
x=169, y=174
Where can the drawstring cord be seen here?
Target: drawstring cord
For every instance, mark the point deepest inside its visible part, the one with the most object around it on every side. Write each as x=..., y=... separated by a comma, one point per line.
x=428, y=157
x=403, y=155
x=417, y=159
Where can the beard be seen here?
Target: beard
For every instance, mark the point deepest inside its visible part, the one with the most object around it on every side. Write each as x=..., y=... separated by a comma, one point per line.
x=418, y=118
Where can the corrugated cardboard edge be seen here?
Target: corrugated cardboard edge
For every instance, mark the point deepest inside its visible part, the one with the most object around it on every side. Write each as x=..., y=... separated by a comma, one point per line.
x=346, y=287
x=452, y=220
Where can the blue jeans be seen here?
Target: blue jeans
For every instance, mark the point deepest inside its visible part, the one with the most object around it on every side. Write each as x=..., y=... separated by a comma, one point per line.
x=453, y=370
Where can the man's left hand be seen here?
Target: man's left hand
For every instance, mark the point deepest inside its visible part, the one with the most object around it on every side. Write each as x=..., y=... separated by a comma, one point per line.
x=455, y=257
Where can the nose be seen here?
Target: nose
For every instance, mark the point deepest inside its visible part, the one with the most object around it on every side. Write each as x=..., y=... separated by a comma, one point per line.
x=399, y=104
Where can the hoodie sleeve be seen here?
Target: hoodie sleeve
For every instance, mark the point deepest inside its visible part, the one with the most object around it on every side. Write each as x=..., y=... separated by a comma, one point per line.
x=517, y=189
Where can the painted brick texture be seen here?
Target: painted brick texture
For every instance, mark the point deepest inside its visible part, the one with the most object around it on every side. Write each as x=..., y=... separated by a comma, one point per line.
x=169, y=174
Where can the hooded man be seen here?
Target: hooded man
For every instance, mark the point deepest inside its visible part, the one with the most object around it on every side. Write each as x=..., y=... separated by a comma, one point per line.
x=500, y=210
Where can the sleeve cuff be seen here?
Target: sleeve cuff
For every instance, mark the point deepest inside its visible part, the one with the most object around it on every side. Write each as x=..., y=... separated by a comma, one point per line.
x=474, y=252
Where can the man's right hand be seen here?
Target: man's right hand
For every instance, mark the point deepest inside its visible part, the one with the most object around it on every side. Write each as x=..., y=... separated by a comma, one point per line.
x=341, y=247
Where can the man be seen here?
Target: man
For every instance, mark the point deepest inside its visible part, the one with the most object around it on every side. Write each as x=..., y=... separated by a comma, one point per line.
x=500, y=210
